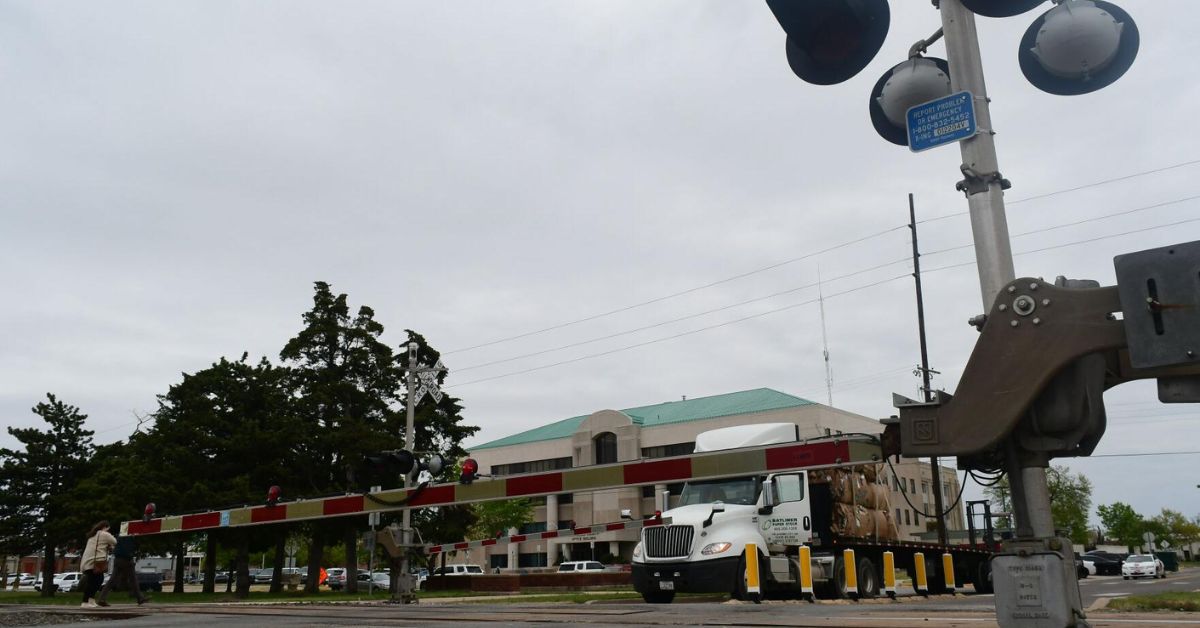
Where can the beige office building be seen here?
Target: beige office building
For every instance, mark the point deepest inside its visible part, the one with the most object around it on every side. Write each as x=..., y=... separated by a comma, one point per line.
x=656, y=431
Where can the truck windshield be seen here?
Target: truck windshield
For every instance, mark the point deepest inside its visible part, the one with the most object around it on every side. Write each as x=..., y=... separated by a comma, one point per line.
x=731, y=491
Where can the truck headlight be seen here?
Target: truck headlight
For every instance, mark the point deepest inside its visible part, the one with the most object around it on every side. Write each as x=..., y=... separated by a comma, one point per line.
x=715, y=548
x=637, y=551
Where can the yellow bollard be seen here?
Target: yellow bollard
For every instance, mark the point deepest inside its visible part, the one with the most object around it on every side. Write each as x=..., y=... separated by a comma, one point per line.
x=948, y=569
x=920, y=581
x=806, y=580
x=753, y=587
x=889, y=574
x=851, y=572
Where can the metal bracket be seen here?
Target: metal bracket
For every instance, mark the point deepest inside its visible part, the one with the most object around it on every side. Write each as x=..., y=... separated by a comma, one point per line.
x=1034, y=334
x=976, y=182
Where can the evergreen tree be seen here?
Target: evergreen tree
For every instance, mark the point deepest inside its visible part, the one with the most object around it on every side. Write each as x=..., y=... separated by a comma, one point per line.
x=346, y=383
x=39, y=477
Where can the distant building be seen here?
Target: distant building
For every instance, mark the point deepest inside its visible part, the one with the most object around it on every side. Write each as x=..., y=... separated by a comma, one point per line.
x=661, y=430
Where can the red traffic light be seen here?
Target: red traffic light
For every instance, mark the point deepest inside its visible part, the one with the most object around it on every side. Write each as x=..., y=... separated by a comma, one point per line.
x=148, y=513
x=273, y=494
x=470, y=471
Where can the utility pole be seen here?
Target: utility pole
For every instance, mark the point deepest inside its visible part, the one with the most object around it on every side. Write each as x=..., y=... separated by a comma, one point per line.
x=935, y=469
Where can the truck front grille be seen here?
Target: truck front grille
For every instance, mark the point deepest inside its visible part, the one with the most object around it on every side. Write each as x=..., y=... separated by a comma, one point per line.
x=668, y=541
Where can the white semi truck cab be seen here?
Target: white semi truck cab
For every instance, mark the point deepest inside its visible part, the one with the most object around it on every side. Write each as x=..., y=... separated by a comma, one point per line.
x=702, y=548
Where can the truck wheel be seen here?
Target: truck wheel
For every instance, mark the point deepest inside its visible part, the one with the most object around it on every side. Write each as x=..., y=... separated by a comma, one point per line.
x=868, y=579
x=838, y=579
x=658, y=597
x=739, y=582
x=983, y=577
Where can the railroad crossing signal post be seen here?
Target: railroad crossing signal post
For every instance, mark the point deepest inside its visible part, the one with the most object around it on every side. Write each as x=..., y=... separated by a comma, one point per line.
x=427, y=377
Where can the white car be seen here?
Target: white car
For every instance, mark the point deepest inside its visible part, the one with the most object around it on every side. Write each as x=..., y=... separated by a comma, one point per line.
x=68, y=581
x=1090, y=566
x=457, y=570
x=1142, y=566
x=580, y=566
x=27, y=579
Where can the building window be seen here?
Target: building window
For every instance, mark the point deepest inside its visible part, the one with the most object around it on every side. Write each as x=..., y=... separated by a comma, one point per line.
x=531, y=560
x=605, y=446
x=946, y=491
x=667, y=451
x=907, y=521
x=912, y=486
x=566, y=498
x=533, y=527
x=648, y=491
x=533, y=466
x=924, y=488
x=897, y=516
x=916, y=517
x=498, y=561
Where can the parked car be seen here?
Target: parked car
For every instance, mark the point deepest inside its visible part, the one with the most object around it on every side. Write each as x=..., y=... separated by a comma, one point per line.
x=261, y=576
x=1081, y=571
x=27, y=579
x=68, y=581
x=458, y=570
x=578, y=566
x=335, y=578
x=1090, y=566
x=221, y=577
x=381, y=579
x=1106, y=564
x=1143, y=565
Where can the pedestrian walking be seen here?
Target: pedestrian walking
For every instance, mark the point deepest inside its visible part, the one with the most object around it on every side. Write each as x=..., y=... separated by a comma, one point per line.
x=94, y=562
x=124, y=573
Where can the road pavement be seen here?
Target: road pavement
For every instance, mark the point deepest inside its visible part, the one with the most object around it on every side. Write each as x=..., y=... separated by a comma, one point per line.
x=970, y=610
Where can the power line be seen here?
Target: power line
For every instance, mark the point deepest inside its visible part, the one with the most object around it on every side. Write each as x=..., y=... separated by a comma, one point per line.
x=1076, y=223
x=677, y=294
x=674, y=336
x=1077, y=242
x=800, y=258
x=1075, y=189
x=1147, y=453
x=676, y=320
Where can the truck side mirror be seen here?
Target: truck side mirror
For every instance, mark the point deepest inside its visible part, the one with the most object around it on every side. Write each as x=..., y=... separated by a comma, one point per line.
x=768, y=498
x=626, y=513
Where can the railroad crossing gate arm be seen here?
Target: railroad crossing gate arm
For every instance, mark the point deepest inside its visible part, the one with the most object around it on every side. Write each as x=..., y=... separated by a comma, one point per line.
x=827, y=452
x=1047, y=351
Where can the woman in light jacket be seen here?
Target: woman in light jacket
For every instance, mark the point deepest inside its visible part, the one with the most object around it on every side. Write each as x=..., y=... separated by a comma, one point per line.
x=94, y=563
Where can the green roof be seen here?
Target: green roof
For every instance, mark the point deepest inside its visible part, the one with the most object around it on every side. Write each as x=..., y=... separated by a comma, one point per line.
x=730, y=404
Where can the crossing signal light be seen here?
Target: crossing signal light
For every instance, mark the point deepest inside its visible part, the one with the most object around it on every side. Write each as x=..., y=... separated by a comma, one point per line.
x=273, y=495
x=470, y=471
x=912, y=82
x=829, y=41
x=148, y=513
x=1078, y=47
x=386, y=466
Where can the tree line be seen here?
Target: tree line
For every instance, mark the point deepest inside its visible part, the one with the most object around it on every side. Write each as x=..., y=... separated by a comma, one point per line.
x=221, y=436
x=1071, y=501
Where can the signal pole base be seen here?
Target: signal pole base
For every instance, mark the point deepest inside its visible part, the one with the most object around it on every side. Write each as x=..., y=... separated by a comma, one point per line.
x=1033, y=586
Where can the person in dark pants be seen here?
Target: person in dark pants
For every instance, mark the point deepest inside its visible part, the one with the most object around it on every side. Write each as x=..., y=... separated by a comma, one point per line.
x=123, y=571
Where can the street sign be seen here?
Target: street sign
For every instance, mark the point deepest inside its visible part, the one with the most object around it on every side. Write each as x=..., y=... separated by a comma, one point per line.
x=1148, y=537
x=946, y=120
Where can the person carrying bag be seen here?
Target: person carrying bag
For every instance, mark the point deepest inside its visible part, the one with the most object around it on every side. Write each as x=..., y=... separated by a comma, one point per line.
x=94, y=561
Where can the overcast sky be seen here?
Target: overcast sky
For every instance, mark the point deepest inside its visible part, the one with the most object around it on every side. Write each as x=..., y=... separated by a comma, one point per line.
x=175, y=175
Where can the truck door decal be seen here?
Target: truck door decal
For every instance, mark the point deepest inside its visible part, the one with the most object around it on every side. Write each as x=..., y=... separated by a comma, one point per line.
x=789, y=522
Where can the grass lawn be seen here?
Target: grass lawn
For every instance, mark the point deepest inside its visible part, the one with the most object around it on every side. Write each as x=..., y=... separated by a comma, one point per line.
x=1174, y=601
